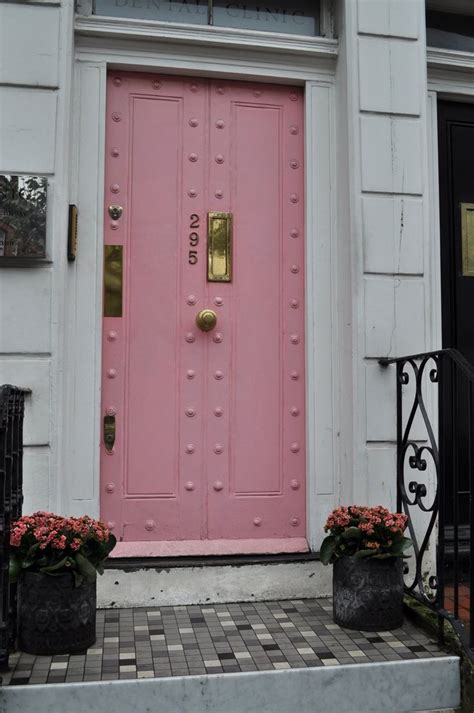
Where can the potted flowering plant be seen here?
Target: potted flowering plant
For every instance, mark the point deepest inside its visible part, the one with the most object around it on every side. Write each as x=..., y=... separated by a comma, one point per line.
x=367, y=547
x=56, y=560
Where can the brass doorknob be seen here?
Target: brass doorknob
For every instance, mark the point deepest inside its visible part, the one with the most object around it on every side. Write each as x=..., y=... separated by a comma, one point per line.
x=206, y=320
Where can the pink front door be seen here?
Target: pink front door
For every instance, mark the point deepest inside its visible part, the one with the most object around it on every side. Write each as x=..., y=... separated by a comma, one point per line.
x=207, y=452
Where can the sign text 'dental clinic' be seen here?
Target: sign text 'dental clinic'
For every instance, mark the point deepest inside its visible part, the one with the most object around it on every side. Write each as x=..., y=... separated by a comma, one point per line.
x=301, y=18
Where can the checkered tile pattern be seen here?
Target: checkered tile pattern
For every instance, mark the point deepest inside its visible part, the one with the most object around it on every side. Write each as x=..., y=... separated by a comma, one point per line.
x=221, y=638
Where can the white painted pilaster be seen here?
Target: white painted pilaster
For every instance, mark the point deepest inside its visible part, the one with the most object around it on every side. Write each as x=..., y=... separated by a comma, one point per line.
x=36, y=40
x=382, y=43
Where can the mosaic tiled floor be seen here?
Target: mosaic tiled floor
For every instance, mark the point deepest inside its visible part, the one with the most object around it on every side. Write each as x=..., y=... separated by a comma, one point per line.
x=194, y=640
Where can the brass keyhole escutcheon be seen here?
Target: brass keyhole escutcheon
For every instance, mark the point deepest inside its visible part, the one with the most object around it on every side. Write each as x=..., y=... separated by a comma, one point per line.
x=206, y=320
x=115, y=212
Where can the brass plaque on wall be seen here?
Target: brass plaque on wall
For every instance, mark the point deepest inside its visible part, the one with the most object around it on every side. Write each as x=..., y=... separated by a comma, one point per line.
x=113, y=280
x=72, y=233
x=467, y=227
x=219, y=247
x=23, y=203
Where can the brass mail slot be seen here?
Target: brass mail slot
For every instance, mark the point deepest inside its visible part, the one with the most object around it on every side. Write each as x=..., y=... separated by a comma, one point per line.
x=113, y=280
x=467, y=227
x=219, y=247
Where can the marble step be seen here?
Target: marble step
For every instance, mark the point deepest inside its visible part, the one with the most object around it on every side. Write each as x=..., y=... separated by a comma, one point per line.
x=391, y=687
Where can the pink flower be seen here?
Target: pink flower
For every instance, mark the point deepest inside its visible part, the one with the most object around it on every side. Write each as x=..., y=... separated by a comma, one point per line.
x=373, y=545
x=377, y=524
x=59, y=543
x=15, y=539
x=55, y=532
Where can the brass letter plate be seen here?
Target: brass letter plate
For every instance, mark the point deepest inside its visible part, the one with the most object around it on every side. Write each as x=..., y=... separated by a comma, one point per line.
x=72, y=233
x=467, y=226
x=219, y=247
x=113, y=279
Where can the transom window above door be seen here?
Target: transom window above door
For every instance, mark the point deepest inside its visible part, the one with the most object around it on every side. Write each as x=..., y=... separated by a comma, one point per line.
x=297, y=18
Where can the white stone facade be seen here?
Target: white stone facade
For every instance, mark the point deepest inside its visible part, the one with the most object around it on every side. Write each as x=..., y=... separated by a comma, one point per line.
x=372, y=265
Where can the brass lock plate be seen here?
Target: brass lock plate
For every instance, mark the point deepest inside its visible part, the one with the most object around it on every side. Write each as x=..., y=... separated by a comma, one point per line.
x=113, y=280
x=219, y=247
x=109, y=433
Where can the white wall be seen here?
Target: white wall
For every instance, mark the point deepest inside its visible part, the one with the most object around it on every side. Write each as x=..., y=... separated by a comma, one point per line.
x=35, y=86
x=382, y=244
x=384, y=52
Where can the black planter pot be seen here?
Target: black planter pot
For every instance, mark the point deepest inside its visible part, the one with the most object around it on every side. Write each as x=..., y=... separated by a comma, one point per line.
x=368, y=593
x=55, y=617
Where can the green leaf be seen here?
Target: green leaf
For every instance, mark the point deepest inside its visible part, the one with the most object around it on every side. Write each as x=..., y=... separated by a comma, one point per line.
x=14, y=569
x=365, y=553
x=54, y=567
x=87, y=569
x=30, y=557
x=352, y=533
x=78, y=578
x=32, y=550
x=383, y=556
x=399, y=547
x=328, y=547
x=109, y=546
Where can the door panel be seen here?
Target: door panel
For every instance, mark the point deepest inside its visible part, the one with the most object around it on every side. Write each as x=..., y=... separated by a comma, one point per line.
x=256, y=466
x=266, y=192
x=210, y=428
x=456, y=158
x=144, y=481
x=152, y=276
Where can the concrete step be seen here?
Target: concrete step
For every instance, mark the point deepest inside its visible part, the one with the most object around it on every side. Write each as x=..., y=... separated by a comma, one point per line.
x=388, y=687
x=135, y=584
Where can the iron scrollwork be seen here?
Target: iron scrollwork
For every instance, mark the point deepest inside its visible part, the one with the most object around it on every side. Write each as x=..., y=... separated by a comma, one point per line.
x=447, y=376
x=416, y=457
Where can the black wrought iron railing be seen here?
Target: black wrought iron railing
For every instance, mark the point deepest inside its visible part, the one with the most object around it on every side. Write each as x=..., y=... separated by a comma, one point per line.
x=12, y=400
x=435, y=481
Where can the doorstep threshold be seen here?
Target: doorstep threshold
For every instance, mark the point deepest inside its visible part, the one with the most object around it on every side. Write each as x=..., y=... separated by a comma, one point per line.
x=132, y=564
x=205, y=548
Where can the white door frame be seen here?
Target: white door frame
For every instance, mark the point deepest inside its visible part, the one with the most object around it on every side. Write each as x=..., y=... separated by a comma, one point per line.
x=125, y=44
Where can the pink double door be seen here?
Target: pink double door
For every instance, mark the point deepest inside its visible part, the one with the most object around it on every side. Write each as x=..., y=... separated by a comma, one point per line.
x=203, y=447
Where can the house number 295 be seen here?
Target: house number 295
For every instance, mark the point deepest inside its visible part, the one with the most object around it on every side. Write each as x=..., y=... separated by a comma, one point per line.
x=193, y=238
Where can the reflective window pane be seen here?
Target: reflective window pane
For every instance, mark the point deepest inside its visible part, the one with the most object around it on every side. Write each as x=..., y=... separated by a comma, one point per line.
x=450, y=31
x=193, y=12
x=23, y=216
x=296, y=18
